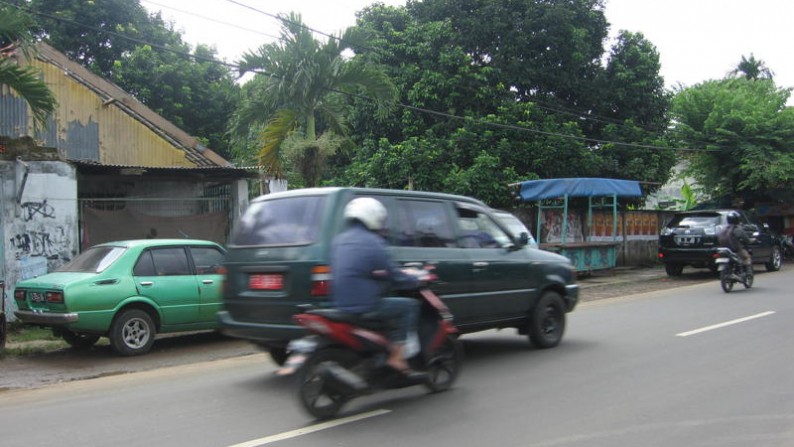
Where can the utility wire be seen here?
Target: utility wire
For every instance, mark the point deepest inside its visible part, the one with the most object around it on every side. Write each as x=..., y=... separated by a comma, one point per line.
x=210, y=19
x=405, y=106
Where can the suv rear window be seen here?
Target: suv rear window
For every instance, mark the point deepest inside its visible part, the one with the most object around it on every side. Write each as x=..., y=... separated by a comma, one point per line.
x=695, y=220
x=288, y=221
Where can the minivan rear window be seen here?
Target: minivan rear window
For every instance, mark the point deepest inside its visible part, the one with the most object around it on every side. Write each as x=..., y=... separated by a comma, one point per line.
x=287, y=221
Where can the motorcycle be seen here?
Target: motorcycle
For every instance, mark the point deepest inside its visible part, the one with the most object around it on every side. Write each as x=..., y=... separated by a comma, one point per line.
x=731, y=270
x=344, y=355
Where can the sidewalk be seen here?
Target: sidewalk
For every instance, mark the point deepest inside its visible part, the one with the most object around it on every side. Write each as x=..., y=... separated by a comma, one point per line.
x=619, y=275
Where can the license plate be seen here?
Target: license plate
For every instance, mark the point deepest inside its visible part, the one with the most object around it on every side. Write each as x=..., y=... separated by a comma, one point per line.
x=266, y=281
x=37, y=297
x=722, y=260
x=686, y=240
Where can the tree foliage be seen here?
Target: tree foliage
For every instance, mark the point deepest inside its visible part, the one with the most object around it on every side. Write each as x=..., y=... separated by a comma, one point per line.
x=494, y=92
x=16, y=37
x=745, y=132
x=302, y=86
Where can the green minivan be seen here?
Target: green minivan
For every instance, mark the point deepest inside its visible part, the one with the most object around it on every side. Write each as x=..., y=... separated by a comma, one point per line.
x=278, y=259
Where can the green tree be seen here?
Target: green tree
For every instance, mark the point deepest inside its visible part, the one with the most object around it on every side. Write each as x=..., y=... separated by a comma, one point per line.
x=301, y=87
x=745, y=133
x=16, y=37
x=196, y=93
x=752, y=68
x=494, y=109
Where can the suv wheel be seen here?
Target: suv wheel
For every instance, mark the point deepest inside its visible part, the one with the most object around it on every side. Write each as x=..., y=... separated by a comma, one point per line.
x=775, y=260
x=673, y=269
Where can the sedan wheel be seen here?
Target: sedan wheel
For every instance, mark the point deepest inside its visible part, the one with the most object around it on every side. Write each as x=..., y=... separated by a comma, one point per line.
x=79, y=341
x=132, y=332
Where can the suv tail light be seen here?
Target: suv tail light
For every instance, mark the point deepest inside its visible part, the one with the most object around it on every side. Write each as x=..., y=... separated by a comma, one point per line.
x=321, y=280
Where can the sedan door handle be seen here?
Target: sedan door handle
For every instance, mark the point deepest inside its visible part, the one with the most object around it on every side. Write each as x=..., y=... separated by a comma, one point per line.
x=207, y=281
x=146, y=283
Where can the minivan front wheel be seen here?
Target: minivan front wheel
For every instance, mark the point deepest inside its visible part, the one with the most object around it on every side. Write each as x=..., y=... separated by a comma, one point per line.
x=547, y=321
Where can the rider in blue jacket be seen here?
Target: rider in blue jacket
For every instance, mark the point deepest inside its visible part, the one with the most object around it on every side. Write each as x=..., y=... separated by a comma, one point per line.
x=363, y=274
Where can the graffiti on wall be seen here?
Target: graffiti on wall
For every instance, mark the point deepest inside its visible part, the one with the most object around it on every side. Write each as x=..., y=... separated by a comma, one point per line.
x=37, y=209
x=51, y=244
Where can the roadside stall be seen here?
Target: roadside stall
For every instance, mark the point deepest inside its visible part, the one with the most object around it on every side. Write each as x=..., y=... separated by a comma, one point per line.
x=562, y=226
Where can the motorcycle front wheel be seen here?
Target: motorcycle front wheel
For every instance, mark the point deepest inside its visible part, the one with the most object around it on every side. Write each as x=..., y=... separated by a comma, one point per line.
x=315, y=392
x=444, y=367
x=725, y=280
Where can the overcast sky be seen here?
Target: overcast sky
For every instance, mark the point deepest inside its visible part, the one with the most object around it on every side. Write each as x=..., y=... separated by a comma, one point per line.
x=697, y=39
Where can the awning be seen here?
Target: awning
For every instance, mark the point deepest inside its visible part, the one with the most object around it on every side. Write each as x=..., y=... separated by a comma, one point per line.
x=533, y=190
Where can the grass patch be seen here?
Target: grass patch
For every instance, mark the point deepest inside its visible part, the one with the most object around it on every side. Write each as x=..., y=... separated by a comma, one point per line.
x=19, y=333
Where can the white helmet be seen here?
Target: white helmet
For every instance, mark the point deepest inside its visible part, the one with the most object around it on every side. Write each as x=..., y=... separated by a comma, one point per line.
x=369, y=211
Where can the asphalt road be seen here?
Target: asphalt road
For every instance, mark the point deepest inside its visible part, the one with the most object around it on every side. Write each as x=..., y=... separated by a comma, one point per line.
x=686, y=366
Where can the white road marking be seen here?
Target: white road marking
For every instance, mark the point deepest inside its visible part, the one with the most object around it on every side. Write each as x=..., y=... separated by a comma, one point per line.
x=727, y=323
x=310, y=429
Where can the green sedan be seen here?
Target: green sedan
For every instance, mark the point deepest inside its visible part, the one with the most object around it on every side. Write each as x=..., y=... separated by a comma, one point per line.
x=128, y=291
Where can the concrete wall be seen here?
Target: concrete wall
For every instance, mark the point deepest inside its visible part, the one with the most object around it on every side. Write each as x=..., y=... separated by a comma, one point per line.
x=39, y=230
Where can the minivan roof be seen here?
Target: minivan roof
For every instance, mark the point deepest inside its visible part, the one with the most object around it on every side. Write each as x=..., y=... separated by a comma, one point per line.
x=335, y=189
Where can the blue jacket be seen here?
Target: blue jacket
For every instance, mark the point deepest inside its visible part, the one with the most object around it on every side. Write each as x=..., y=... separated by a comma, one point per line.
x=362, y=270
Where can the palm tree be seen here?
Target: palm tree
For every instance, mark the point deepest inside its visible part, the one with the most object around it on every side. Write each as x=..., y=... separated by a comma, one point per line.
x=16, y=37
x=752, y=69
x=299, y=82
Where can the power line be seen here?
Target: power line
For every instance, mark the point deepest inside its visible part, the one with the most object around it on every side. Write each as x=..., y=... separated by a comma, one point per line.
x=210, y=19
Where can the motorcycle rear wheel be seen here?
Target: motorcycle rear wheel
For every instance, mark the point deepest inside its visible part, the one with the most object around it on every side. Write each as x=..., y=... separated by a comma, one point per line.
x=725, y=280
x=748, y=279
x=315, y=394
x=445, y=366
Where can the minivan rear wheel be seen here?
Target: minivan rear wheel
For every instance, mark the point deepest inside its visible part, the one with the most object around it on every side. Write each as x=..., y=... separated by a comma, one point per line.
x=673, y=269
x=279, y=355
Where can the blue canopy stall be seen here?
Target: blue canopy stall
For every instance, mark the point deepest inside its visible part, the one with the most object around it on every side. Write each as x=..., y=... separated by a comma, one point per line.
x=585, y=254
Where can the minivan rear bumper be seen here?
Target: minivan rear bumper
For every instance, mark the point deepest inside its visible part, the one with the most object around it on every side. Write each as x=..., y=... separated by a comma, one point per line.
x=260, y=333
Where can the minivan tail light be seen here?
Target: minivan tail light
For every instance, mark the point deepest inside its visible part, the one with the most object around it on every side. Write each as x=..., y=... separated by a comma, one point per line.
x=266, y=281
x=321, y=280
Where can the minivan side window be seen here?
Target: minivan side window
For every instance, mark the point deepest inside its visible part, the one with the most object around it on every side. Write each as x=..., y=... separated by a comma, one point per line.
x=478, y=230
x=421, y=223
x=289, y=221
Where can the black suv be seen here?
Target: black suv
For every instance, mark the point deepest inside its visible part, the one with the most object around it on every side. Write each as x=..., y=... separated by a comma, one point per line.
x=690, y=238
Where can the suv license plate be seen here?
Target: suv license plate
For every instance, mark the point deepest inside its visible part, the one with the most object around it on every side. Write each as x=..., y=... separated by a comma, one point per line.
x=686, y=240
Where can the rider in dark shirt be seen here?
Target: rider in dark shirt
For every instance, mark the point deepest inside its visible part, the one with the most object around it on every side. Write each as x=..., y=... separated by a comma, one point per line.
x=737, y=240
x=363, y=273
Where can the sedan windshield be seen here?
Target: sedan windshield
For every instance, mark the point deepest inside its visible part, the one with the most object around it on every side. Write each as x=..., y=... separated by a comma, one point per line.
x=93, y=260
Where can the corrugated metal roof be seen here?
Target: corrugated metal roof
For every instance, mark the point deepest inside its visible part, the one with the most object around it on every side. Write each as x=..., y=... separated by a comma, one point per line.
x=113, y=94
